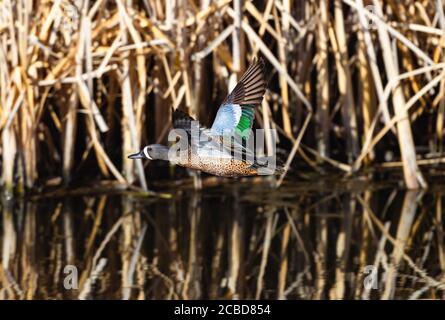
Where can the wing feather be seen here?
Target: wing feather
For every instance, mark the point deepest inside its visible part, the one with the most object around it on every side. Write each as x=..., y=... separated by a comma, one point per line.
x=247, y=94
x=245, y=89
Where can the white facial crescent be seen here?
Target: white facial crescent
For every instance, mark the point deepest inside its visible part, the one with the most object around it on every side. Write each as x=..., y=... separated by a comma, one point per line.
x=146, y=153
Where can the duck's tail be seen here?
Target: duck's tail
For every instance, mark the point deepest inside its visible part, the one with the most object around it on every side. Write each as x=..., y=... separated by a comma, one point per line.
x=265, y=167
x=278, y=168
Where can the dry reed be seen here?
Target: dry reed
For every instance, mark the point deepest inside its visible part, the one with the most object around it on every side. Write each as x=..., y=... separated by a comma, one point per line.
x=84, y=83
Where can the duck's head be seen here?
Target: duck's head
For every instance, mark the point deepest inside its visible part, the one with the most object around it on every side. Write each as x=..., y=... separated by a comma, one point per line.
x=152, y=152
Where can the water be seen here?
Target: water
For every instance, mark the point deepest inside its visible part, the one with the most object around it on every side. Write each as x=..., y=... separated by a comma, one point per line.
x=317, y=240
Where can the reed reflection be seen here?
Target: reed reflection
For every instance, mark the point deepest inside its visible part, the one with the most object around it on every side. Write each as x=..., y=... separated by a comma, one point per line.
x=243, y=242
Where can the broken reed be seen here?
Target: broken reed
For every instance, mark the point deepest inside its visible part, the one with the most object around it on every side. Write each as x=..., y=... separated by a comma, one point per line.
x=84, y=83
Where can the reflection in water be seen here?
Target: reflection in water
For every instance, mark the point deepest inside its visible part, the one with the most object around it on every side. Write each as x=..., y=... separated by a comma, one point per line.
x=238, y=242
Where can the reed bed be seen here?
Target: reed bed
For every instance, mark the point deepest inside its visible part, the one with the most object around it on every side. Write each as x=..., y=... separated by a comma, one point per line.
x=353, y=85
x=301, y=242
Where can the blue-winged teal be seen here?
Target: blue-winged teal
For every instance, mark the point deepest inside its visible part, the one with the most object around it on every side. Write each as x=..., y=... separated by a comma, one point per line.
x=234, y=119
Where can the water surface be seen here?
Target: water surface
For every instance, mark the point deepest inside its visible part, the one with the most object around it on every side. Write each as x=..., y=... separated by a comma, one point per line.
x=322, y=240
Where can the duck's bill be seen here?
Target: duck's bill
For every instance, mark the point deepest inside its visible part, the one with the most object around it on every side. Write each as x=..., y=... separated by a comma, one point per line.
x=139, y=155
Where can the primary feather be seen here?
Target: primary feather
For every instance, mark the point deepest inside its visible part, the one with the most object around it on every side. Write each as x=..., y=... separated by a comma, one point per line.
x=237, y=113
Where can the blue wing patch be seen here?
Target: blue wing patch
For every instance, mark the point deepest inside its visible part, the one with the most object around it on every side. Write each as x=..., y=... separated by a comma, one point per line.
x=226, y=119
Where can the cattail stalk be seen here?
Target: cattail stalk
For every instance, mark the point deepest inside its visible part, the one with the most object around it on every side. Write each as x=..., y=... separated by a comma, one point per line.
x=412, y=174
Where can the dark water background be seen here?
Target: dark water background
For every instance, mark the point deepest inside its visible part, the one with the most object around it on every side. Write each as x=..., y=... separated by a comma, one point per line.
x=317, y=240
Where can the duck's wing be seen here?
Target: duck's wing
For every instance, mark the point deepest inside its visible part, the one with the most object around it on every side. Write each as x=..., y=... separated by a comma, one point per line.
x=181, y=120
x=236, y=114
x=184, y=121
x=206, y=142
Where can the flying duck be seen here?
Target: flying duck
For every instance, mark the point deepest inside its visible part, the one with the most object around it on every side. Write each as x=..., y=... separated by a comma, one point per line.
x=220, y=150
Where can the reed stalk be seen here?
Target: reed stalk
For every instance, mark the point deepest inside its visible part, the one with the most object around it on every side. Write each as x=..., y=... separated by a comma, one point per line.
x=85, y=83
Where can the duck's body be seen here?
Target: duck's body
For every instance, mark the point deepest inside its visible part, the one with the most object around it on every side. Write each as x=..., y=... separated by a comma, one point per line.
x=219, y=166
x=222, y=168
x=234, y=119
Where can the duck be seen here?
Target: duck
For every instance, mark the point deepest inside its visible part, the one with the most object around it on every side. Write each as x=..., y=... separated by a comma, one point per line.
x=221, y=150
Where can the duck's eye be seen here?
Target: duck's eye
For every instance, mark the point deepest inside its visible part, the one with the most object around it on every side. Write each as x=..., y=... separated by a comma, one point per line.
x=149, y=148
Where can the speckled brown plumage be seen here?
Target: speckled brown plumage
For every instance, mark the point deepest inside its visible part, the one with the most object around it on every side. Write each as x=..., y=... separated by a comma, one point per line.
x=224, y=167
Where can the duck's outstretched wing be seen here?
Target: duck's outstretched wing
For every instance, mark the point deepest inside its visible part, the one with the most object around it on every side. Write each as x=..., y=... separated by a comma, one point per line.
x=181, y=120
x=204, y=141
x=236, y=114
x=207, y=141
